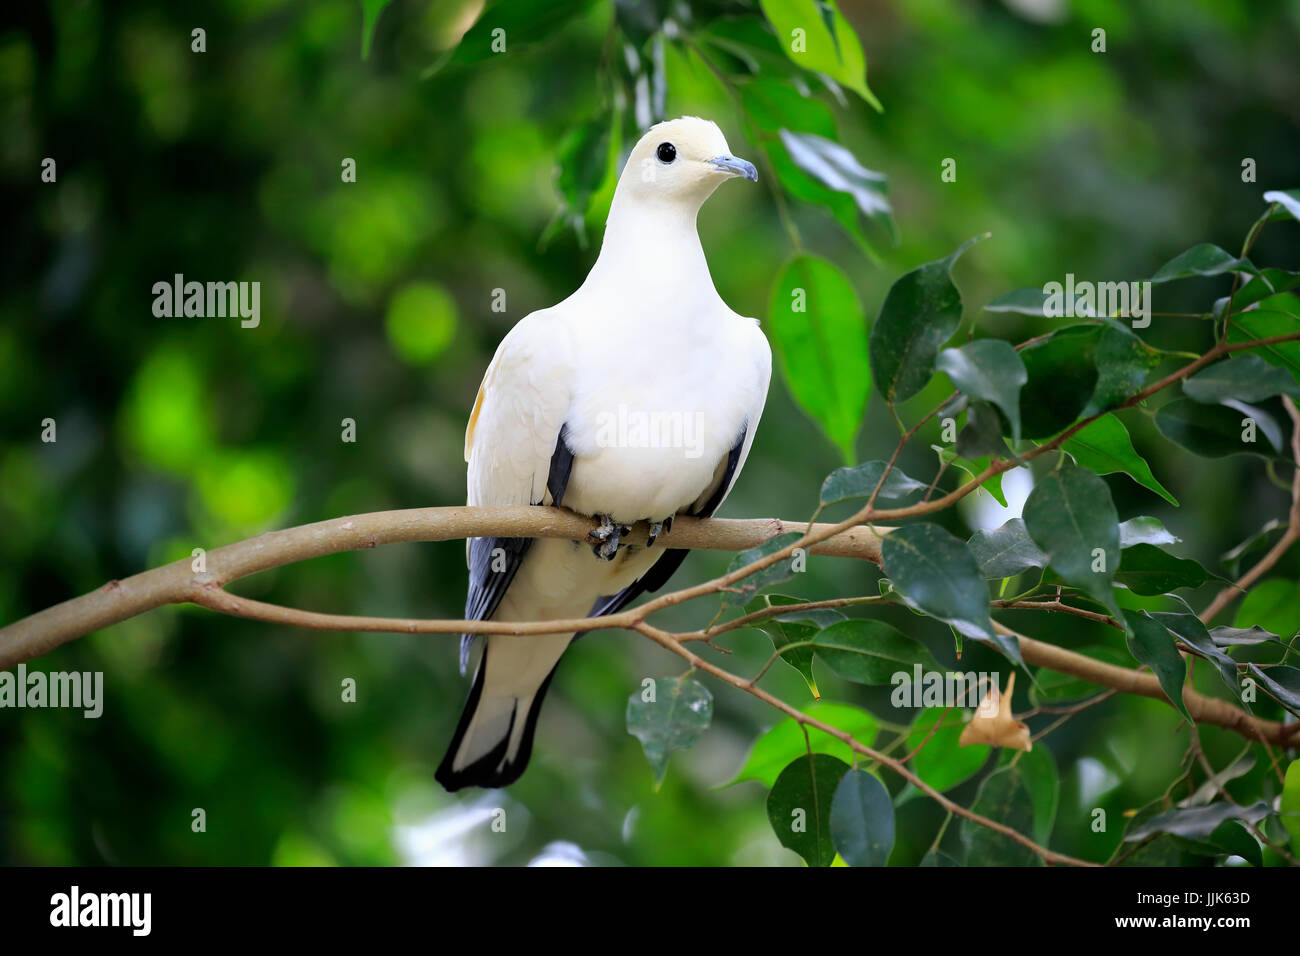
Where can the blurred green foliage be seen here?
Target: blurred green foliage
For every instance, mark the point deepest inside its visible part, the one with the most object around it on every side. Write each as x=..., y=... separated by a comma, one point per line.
x=377, y=306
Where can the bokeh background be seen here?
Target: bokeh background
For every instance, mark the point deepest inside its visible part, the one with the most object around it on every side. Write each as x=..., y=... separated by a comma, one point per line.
x=376, y=306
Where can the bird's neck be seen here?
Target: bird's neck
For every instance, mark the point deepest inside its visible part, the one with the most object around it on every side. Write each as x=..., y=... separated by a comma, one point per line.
x=650, y=249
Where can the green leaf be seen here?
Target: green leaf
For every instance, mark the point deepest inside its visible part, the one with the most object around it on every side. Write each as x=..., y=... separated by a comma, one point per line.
x=1232, y=837
x=1104, y=447
x=1248, y=552
x=936, y=574
x=1037, y=771
x=820, y=334
x=1071, y=516
x=1247, y=378
x=1215, y=431
x=835, y=167
x=772, y=574
x=1123, y=363
x=1197, y=822
x=1282, y=683
x=1006, y=551
x=1205, y=259
x=1149, y=570
x=1144, y=530
x=1288, y=200
x=1289, y=810
x=1273, y=605
x=920, y=313
x=370, y=11
x=1189, y=629
x=798, y=628
x=1062, y=372
x=862, y=820
x=870, y=652
x=1225, y=636
x=1003, y=797
x=525, y=25
x=799, y=806
x=989, y=369
x=1153, y=645
x=776, y=105
x=942, y=762
x=831, y=48
x=674, y=720
x=1269, y=282
x=982, y=434
x=785, y=741
x=1024, y=301
x=1266, y=324
x=861, y=480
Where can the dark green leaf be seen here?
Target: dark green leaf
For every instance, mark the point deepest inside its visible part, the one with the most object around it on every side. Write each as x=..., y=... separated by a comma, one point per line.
x=1104, y=447
x=862, y=820
x=1062, y=373
x=1197, y=822
x=797, y=628
x=1242, y=636
x=1282, y=683
x=799, y=806
x=1003, y=797
x=982, y=435
x=1247, y=378
x=937, y=575
x=820, y=335
x=870, y=652
x=1189, y=629
x=861, y=480
x=1149, y=570
x=1246, y=554
x=1232, y=837
x=773, y=574
x=1205, y=259
x=1070, y=515
x=989, y=369
x=1214, y=431
x=1006, y=551
x=675, y=719
x=921, y=312
x=1153, y=645
x=1123, y=363
x=1037, y=771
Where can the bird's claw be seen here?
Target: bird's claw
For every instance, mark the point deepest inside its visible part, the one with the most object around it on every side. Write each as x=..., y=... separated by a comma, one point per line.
x=607, y=535
x=658, y=528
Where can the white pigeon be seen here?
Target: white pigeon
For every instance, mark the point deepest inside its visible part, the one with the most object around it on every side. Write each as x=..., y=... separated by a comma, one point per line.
x=636, y=398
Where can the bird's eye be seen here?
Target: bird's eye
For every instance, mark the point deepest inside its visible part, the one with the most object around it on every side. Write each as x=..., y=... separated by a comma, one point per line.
x=666, y=152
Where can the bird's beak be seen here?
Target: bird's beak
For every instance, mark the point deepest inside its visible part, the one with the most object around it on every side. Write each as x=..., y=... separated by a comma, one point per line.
x=733, y=166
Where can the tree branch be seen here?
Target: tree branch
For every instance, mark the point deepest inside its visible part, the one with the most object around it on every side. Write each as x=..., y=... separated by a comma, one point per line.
x=178, y=583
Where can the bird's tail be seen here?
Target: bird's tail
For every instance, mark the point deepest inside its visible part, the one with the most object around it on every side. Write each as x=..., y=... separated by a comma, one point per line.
x=494, y=738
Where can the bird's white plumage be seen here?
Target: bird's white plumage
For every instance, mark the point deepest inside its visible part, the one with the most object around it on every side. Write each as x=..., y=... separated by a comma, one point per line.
x=646, y=334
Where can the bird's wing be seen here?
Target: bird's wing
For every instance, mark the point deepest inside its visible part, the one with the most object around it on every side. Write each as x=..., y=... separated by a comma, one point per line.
x=516, y=449
x=755, y=345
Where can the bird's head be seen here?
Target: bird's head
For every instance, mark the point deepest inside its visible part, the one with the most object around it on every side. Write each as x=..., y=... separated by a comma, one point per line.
x=681, y=161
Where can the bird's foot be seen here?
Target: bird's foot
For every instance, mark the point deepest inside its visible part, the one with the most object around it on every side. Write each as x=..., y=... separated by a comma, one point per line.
x=606, y=537
x=657, y=528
